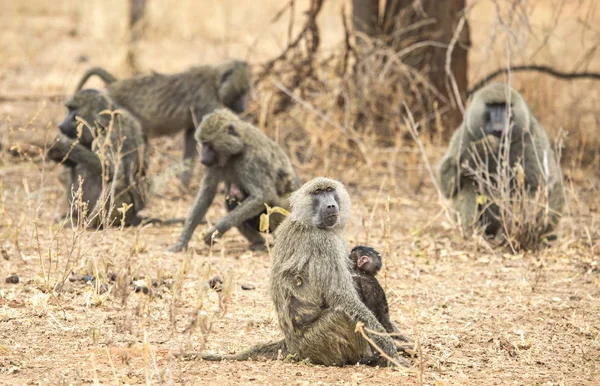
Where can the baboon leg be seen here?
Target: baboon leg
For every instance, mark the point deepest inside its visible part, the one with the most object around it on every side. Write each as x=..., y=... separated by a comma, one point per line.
x=257, y=241
x=189, y=156
x=491, y=220
x=392, y=329
x=466, y=206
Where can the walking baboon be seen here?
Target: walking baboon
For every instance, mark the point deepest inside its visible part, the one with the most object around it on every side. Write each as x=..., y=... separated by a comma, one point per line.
x=239, y=154
x=499, y=131
x=167, y=104
x=366, y=263
x=105, y=154
x=311, y=286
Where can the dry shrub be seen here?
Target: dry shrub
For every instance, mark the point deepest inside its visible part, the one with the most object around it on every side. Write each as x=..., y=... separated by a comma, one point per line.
x=526, y=216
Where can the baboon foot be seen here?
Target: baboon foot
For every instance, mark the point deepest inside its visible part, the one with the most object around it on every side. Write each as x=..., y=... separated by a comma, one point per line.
x=257, y=247
x=178, y=247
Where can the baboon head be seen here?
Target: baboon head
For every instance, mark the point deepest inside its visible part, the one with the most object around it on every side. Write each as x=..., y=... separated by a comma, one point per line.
x=234, y=84
x=322, y=203
x=84, y=113
x=220, y=135
x=365, y=259
x=497, y=110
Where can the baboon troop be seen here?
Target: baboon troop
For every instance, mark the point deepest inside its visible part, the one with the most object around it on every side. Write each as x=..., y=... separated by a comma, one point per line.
x=105, y=155
x=251, y=165
x=499, y=131
x=321, y=291
x=168, y=104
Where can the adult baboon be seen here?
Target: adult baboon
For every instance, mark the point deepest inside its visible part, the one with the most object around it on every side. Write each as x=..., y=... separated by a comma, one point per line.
x=239, y=154
x=167, y=104
x=366, y=263
x=499, y=129
x=105, y=155
x=312, y=288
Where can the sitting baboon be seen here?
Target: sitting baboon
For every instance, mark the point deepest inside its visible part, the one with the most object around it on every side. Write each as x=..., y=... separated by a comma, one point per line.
x=311, y=286
x=238, y=153
x=366, y=263
x=167, y=104
x=105, y=155
x=498, y=132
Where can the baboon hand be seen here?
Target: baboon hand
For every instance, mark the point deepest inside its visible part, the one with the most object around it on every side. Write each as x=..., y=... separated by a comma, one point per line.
x=58, y=147
x=178, y=247
x=398, y=360
x=493, y=143
x=211, y=235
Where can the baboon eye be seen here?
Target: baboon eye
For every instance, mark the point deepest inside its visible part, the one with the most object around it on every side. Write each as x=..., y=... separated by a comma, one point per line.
x=330, y=189
x=317, y=192
x=226, y=75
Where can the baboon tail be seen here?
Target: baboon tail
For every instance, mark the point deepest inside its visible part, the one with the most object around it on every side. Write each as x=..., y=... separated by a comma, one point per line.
x=158, y=221
x=268, y=351
x=106, y=76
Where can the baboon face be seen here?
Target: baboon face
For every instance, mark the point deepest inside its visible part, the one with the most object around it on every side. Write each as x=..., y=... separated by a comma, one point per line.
x=497, y=110
x=83, y=113
x=220, y=138
x=234, y=85
x=322, y=203
x=326, y=207
x=366, y=259
x=497, y=119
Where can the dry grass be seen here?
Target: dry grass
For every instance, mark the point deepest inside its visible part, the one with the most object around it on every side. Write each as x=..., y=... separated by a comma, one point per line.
x=480, y=315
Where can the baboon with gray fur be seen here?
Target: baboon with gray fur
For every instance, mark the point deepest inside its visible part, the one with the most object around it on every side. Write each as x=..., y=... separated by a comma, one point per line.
x=498, y=121
x=312, y=288
x=105, y=155
x=240, y=155
x=167, y=104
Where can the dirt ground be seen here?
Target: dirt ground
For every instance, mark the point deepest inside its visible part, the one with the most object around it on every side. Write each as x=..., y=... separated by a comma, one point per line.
x=479, y=315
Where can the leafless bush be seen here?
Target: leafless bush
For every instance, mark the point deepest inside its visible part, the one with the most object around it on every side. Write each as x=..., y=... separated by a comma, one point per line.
x=525, y=215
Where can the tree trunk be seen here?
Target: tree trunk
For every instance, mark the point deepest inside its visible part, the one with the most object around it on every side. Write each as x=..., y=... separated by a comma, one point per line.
x=429, y=60
x=365, y=16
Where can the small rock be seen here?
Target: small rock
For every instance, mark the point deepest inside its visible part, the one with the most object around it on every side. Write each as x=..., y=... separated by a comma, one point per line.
x=141, y=288
x=87, y=278
x=248, y=287
x=12, y=279
x=74, y=278
x=216, y=283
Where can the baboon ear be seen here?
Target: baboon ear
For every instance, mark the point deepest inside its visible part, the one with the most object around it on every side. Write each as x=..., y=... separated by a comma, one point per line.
x=226, y=75
x=232, y=131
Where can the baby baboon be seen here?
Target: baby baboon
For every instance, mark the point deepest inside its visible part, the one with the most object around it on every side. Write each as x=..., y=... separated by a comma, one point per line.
x=498, y=125
x=366, y=263
x=167, y=104
x=241, y=155
x=312, y=288
x=234, y=198
x=105, y=155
